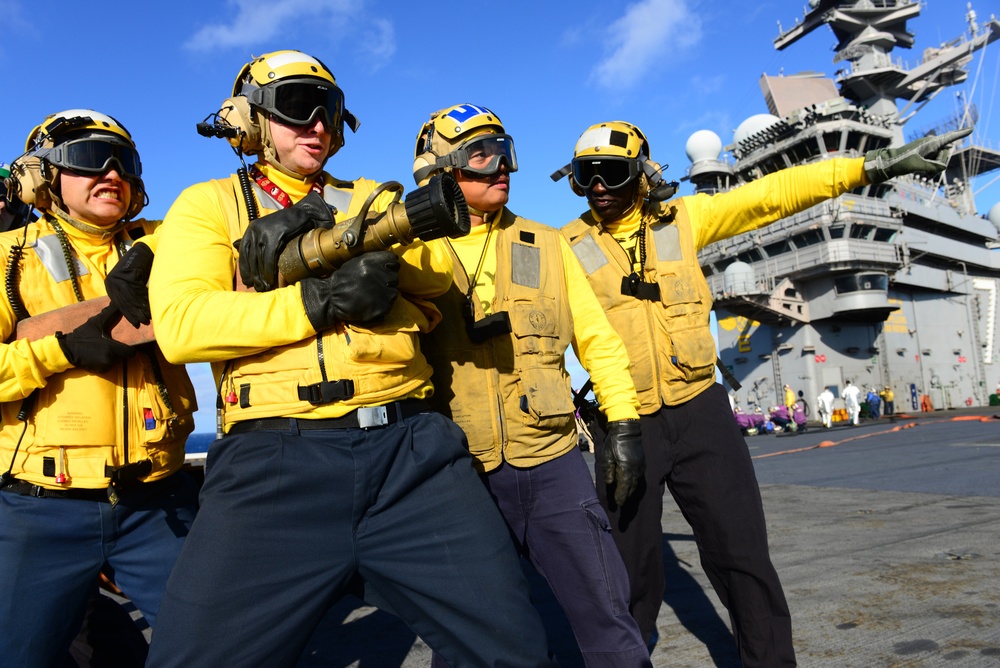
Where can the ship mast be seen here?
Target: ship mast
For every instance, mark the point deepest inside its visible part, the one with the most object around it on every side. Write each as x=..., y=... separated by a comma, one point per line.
x=867, y=31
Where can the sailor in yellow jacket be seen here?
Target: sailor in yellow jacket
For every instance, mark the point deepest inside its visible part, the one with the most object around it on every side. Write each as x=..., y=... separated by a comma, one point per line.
x=519, y=299
x=639, y=250
x=93, y=430
x=789, y=399
x=331, y=470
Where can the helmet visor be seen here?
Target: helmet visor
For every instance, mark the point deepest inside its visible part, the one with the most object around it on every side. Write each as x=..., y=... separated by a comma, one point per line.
x=299, y=101
x=483, y=155
x=612, y=172
x=96, y=155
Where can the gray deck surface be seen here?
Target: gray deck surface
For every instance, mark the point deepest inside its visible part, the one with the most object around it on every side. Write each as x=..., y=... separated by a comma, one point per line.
x=887, y=541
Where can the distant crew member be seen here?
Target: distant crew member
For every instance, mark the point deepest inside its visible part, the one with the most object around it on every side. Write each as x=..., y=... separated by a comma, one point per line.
x=852, y=401
x=789, y=398
x=824, y=403
x=888, y=400
x=874, y=403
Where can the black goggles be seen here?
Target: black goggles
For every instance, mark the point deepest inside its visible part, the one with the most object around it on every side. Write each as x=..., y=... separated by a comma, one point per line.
x=482, y=155
x=612, y=172
x=95, y=155
x=299, y=101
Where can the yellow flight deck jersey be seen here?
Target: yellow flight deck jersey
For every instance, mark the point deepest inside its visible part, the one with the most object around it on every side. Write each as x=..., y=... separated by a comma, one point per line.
x=789, y=399
x=82, y=425
x=264, y=352
x=669, y=342
x=511, y=393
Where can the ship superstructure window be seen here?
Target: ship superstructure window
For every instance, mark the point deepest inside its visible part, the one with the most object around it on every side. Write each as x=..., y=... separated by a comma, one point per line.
x=807, y=238
x=860, y=282
x=804, y=152
x=750, y=256
x=837, y=232
x=855, y=141
x=832, y=141
x=777, y=248
x=884, y=234
x=859, y=231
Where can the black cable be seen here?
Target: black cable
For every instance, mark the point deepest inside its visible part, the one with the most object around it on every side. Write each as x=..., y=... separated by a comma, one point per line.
x=12, y=279
x=247, y=189
x=68, y=257
x=27, y=406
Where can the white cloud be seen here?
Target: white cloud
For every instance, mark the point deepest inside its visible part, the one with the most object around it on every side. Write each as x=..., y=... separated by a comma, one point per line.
x=379, y=43
x=639, y=40
x=260, y=20
x=14, y=19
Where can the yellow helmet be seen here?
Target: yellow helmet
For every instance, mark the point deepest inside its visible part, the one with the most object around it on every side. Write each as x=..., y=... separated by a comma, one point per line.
x=615, y=153
x=82, y=140
x=613, y=139
x=466, y=137
x=293, y=87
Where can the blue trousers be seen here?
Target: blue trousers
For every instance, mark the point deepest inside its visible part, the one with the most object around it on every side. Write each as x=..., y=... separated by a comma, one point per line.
x=52, y=550
x=696, y=450
x=292, y=520
x=556, y=522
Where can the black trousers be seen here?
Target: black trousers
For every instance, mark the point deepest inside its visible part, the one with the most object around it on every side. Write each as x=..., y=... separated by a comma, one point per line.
x=696, y=451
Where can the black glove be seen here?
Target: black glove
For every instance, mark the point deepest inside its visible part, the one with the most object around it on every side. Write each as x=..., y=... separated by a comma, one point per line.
x=267, y=236
x=623, y=458
x=924, y=156
x=90, y=347
x=126, y=284
x=362, y=290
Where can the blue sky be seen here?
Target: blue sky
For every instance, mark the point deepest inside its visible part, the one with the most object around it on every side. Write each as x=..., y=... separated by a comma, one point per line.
x=548, y=69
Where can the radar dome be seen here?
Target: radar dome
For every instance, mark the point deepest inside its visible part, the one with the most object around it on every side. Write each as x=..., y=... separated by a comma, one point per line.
x=753, y=125
x=994, y=216
x=738, y=279
x=703, y=145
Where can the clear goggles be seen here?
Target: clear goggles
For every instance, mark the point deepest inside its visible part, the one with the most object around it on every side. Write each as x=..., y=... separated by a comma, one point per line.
x=299, y=101
x=483, y=155
x=612, y=172
x=95, y=155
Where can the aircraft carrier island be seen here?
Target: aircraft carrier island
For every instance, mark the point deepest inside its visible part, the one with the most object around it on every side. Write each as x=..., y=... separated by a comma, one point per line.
x=888, y=286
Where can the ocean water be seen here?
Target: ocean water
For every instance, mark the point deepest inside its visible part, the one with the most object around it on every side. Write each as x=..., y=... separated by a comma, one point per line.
x=199, y=442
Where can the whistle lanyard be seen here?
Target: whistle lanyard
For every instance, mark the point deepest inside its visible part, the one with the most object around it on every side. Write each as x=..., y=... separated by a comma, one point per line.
x=474, y=278
x=272, y=189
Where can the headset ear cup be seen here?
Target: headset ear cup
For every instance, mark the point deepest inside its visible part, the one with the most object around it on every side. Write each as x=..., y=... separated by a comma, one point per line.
x=137, y=198
x=236, y=111
x=424, y=166
x=575, y=187
x=27, y=183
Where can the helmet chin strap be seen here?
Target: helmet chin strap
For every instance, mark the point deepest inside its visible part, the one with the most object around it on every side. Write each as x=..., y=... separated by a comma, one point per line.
x=477, y=212
x=87, y=228
x=272, y=161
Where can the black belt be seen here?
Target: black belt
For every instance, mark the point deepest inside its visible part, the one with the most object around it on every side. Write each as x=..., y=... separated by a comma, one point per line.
x=27, y=489
x=361, y=418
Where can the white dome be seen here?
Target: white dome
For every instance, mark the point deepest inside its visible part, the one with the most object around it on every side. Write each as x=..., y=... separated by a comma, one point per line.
x=703, y=145
x=753, y=125
x=994, y=216
x=738, y=278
